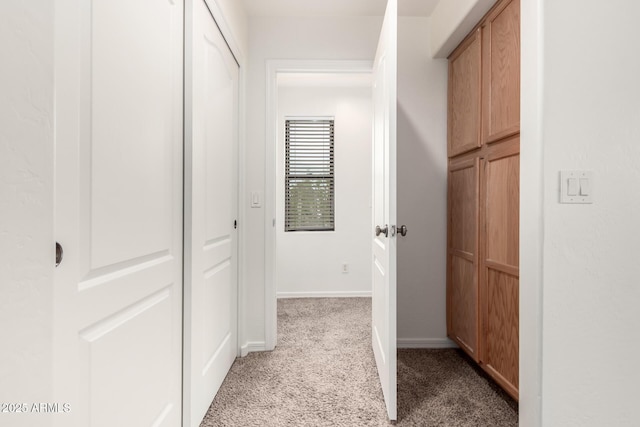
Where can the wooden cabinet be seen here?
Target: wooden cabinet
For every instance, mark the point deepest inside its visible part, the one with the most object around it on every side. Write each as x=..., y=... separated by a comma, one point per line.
x=462, y=259
x=484, y=199
x=501, y=72
x=499, y=282
x=465, y=83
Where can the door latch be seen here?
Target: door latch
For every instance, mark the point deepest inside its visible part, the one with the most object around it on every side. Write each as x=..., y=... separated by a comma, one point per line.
x=59, y=254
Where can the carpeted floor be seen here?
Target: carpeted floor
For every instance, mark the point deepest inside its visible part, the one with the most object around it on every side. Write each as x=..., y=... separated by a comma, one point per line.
x=323, y=373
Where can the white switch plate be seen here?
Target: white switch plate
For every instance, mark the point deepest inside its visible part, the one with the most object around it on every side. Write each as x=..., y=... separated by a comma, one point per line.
x=256, y=199
x=583, y=182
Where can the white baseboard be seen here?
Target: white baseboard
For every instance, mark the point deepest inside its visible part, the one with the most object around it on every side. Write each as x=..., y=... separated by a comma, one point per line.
x=325, y=294
x=251, y=347
x=425, y=343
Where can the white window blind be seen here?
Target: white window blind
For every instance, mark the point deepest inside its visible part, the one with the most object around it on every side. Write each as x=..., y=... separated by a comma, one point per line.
x=309, y=175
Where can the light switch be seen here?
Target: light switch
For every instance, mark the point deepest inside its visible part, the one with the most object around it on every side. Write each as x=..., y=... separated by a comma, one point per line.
x=256, y=199
x=585, y=187
x=572, y=187
x=576, y=187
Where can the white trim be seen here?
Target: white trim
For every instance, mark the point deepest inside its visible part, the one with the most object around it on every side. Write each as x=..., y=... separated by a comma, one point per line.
x=425, y=343
x=274, y=67
x=251, y=347
x=531, y=212
x=325, y=294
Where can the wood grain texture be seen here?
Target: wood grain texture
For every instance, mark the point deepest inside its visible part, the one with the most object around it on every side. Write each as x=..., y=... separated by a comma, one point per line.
x=464, y=304
x=465, y=86
x=463, y=206
x=483, y=256
x=501, y=329
x=462, y=259
x=502, y=204
x=501, y=72
x=499, y=266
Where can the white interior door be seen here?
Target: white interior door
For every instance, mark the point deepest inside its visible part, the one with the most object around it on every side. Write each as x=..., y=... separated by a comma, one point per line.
x=211, y=339
x=118, y=212
x=384, y=208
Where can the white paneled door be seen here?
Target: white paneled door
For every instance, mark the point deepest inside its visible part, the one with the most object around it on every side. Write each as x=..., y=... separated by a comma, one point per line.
x=384, y=208
x=211, y=339
x=118, y=212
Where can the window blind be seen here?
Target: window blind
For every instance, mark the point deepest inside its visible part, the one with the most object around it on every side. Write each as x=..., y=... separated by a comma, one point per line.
x=309, y=175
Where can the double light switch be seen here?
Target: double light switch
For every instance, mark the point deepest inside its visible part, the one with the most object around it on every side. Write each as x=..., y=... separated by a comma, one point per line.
x=576, y=187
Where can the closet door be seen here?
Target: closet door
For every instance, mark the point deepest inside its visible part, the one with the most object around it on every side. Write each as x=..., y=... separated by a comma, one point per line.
x=462, y=259
x=501, y=62
x=211, y=208
x=500, y=273
x=117, y=325
x=465, y=83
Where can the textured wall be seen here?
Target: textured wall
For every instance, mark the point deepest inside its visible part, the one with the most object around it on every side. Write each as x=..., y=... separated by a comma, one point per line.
x=591, y=293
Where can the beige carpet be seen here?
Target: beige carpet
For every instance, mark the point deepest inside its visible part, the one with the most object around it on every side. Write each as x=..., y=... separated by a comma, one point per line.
x=323, y=373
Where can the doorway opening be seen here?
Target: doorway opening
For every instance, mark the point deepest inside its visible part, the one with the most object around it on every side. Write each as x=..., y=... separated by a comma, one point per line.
x=319, y=263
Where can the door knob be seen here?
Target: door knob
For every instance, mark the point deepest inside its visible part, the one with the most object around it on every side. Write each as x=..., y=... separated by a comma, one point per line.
x=384, y=230
x=403, y=230
x=59, y=254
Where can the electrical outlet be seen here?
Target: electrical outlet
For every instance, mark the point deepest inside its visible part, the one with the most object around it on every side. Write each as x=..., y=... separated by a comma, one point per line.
x=345, y=268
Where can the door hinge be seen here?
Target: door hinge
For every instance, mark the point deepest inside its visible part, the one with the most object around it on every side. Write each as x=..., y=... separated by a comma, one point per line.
x=235, y=224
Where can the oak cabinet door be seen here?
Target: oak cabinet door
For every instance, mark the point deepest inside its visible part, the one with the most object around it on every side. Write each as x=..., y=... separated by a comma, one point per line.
x=501, y=72
x=499, y=289
x=462, y=308
x=465, y=84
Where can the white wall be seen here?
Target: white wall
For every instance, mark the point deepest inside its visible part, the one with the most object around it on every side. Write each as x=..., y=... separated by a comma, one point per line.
x=26, y=205
x=422, y=188
x=452, y=20
x=309, y=264
x=235, y=21
x=591, y=297
x=284, y=38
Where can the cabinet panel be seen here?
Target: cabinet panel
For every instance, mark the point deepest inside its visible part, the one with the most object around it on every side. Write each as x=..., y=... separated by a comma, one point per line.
x=501, y=62
x=462, y=310
x=501, y=329
x=464, y=304
x=499, y=267
x=502, y=207
x=465, y=84
x=463, y=206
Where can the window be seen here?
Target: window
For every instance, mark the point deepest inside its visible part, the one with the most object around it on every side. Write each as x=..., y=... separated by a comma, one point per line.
x=309, y=175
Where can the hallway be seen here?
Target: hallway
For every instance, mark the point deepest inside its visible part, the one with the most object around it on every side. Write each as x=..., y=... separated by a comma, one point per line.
x=322, y=373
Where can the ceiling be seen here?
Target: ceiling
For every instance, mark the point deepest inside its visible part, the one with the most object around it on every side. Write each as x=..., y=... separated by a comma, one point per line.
x=335, y=7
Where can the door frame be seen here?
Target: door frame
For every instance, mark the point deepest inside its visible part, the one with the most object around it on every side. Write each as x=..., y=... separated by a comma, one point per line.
x=275, y=67
x=240, y=57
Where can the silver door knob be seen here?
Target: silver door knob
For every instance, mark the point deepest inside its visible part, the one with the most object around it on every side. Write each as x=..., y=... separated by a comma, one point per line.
x=59, y=254
x=403, y=230
x=384, y=230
